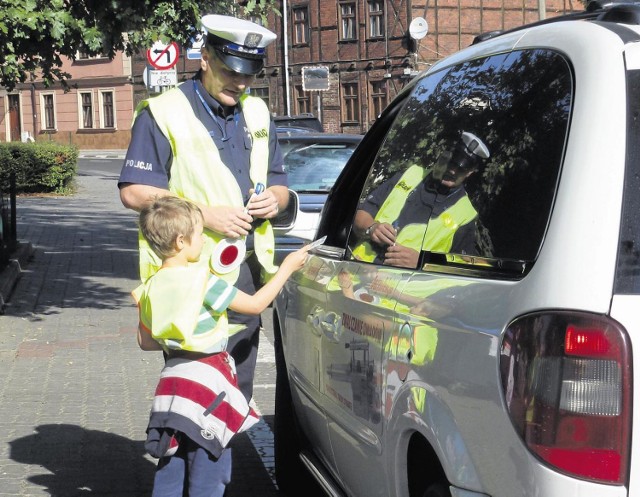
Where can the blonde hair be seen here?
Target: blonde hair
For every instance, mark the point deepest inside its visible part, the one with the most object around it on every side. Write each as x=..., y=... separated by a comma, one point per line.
x=164, y=219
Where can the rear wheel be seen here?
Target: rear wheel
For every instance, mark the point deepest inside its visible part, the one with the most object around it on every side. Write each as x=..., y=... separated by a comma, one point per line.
x=292, y=476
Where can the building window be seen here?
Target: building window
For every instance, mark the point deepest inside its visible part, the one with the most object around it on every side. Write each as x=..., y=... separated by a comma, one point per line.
x=378, y=98
x=303, y=100
x=108, y=109
x=350, y=103
x=262, y=93
x=376, y=19
x=300, y=25
x=83, y=54
x=85, y=111
x=47, y=102
x=347, y=20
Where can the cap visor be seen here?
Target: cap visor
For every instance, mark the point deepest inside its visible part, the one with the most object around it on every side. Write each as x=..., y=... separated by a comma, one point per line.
x=240, y=64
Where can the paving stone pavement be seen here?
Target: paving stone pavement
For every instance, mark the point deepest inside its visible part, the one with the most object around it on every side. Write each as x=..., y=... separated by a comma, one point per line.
x=75, y=389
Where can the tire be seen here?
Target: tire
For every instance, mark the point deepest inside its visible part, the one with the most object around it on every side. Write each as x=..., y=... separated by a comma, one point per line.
x=292, y=476
x=437, y=490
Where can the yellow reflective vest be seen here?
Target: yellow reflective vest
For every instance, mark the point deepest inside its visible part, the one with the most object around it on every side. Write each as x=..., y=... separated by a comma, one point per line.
x=198, y=173
x=185, y=308
x=436, y=235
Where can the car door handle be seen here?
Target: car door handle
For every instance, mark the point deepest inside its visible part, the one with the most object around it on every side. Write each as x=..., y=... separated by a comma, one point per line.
x=405, y=349
x=330, y=326
x=324, y=323
x=314, y=320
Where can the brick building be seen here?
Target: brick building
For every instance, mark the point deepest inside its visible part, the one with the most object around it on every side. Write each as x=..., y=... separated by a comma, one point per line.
x=95, y=113
x=369, y=52
x=364, y=45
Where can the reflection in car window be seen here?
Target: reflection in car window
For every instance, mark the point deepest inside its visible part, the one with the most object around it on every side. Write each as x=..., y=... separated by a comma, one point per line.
x=315, y=167
x=517, y=105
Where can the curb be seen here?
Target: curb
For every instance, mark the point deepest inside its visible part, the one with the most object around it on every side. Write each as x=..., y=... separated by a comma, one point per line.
x=10, y=275
x=102, y=154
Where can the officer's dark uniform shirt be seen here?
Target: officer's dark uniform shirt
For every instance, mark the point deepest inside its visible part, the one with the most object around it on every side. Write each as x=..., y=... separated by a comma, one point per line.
x=148, y=159
x=422, y=204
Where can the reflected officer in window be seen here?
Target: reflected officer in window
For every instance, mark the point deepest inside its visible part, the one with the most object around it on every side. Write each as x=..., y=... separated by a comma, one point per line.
x=422, y=209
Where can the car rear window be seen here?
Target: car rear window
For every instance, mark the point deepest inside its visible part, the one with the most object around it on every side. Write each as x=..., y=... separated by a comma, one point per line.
x=315, y=166
x=519, y=104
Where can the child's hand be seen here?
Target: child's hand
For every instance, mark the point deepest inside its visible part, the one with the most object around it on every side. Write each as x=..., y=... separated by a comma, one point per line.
x=295, y=260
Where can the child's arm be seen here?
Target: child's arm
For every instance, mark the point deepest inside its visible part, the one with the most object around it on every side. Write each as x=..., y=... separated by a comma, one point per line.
x=255, y=304
x=146, y=341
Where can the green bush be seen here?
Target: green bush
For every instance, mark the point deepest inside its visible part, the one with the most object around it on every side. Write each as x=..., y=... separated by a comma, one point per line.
x=39, y=167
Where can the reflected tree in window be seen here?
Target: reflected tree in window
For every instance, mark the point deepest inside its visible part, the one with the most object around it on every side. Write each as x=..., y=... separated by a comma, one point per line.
x=519, y=104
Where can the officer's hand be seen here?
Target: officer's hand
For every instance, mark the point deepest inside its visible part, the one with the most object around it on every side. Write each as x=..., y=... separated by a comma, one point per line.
x=383, y=234
x=400, y=256
x=263, y=206
x=346, y=284
x=433, y=310
x=232, y=222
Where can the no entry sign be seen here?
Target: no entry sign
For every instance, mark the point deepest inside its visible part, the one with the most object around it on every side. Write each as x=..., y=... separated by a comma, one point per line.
x=162, y=56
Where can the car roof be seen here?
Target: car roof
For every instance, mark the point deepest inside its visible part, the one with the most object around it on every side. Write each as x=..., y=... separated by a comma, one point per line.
x=301, y=121
x=320, y=137
x=286, y=130
x=616, y=11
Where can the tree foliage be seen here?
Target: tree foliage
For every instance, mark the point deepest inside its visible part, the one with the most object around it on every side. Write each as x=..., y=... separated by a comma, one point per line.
x=519, y=104
x=36, y=34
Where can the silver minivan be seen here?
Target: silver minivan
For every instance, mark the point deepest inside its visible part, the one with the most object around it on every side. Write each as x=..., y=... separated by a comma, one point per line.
x=497, y=359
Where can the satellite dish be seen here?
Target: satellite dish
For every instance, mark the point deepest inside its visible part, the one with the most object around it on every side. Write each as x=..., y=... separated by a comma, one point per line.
x=418, y=28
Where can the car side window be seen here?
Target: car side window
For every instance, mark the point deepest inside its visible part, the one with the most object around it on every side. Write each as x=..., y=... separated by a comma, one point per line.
x=314, y=166
x=466, y=174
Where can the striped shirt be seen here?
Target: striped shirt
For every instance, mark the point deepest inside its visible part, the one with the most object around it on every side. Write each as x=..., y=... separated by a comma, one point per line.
x=200, y=399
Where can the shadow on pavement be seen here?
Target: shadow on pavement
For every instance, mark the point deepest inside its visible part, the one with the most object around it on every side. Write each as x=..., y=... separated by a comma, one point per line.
x=84, y=462
x=80, y=258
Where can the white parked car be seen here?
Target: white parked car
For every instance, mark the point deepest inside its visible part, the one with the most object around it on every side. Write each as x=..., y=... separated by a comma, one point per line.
x=504, y=368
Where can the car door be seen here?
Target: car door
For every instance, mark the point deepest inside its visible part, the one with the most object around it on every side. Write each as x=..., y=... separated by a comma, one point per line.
x=343, y=315
x=399, y=323
x=305, y=318
x=368, y=339
x=361, y=307
x=360, y=310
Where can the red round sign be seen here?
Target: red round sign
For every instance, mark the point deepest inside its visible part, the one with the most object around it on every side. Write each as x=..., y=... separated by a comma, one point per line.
x=162, y=56
x=229, y=255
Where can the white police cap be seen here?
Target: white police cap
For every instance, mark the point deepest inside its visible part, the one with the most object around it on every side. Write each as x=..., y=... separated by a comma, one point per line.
x=240, y=44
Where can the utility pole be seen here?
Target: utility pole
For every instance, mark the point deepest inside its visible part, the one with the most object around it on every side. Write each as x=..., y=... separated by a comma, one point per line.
x=542, y=10
x=285, y=27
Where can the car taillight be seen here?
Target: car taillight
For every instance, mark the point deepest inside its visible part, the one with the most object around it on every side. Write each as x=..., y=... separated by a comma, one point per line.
x=566, y=379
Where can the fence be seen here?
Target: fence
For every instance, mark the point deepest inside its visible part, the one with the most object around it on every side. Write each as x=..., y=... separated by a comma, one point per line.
x=8, y=231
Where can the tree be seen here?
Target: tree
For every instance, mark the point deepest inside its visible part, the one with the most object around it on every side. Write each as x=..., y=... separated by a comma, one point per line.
x=35, y=34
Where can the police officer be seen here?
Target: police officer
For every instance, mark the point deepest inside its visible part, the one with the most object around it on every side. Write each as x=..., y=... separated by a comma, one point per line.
x=210, y=142
x=421, y=209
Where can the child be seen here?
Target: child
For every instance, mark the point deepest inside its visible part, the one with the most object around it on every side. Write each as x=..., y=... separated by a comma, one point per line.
x=197, y=406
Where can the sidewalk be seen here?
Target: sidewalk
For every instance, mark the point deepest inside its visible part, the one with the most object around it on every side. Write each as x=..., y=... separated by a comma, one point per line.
x=75, y=389
x=102, y=154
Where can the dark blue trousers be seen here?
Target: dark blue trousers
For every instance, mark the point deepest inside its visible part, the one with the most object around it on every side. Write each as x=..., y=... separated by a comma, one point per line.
x=192, y=472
